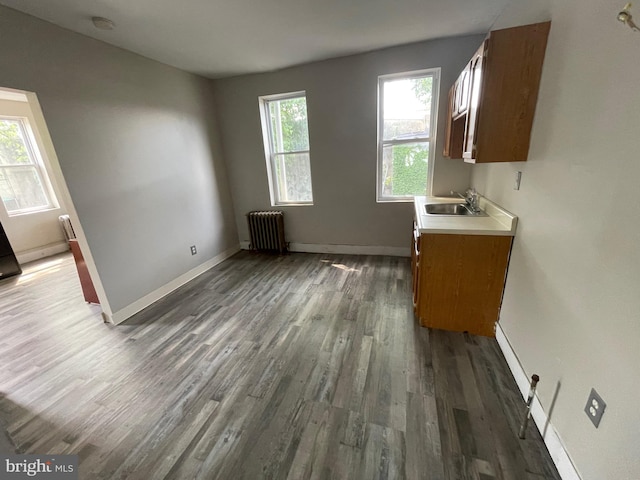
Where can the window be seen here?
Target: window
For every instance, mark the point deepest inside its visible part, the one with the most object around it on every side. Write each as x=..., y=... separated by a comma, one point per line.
x=407, y=118
x=23, y=181
x=286, y=146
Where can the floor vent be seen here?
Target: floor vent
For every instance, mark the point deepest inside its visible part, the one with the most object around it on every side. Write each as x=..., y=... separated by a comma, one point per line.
x=266, y=231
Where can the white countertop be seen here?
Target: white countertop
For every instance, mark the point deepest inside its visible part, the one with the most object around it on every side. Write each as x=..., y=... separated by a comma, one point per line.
x=497, y=222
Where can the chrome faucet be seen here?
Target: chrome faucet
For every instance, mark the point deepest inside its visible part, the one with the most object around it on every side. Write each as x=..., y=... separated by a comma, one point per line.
x=471, y=199
x=471, y=196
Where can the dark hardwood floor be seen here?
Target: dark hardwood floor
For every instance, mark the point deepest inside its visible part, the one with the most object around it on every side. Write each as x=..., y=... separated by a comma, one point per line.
x=292, y=367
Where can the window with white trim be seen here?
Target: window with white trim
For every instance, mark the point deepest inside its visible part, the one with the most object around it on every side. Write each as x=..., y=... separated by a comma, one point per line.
x=24, y=185
x=286, y=145
x=407, y=119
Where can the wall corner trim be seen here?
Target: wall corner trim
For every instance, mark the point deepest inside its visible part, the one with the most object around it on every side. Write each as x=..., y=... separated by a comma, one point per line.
x=552, y=440
x=142, y=303
x=344, y=249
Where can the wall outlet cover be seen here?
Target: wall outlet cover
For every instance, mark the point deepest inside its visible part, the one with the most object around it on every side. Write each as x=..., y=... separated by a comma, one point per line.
x=595, y=407
x=193, y=250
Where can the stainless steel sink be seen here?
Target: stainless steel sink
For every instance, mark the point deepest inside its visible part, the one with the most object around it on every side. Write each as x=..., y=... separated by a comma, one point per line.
x=453, y=209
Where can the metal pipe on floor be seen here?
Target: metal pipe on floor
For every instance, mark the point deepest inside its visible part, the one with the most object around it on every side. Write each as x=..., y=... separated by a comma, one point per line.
x=532, y=391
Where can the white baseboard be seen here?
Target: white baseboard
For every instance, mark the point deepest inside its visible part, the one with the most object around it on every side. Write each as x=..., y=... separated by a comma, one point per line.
x=133, y=308
x=344, y=249
x=41, y=252
x=552, y=440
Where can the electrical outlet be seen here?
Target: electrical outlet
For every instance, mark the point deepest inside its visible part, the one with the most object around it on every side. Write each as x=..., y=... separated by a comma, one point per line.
x=595, y=407
x=516, y=183
x=193, y=250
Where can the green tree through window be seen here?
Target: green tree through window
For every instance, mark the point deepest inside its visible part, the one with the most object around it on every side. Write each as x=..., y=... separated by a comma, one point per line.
x=409, y=170
x=21, y=186
x=284, y=120
x=12, y=148
x=406, y=134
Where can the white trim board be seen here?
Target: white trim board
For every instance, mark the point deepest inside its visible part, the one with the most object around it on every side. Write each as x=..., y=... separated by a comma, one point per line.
x=344, y=249
x=152, y=297
x=41, y=252
x=552, y=440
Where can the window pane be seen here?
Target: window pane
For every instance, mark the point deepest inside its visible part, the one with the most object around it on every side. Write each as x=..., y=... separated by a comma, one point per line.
x=404, y=169
x=21, y=189
x=13, y=150
x=407, y=107
x=286, y=135
x=293, y=176
x=289, y=125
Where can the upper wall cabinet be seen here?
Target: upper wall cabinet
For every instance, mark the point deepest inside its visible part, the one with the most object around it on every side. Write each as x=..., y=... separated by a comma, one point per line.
x=491, y=105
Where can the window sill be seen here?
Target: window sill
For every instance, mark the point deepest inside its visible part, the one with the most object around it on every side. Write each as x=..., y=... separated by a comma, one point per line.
x=395, y=200
x=292, y=205
x=33, y=212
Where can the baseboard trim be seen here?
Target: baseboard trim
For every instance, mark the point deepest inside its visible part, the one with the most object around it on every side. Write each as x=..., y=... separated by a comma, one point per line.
x=41, y=252
x=344, y=249
x=133, y=308
x=552, y=440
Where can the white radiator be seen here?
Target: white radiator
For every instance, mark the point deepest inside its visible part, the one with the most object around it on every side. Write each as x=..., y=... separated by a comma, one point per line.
x=65, y=223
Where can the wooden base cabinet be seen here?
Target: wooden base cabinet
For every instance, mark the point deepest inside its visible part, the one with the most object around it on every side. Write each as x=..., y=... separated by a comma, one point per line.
x=458, y=281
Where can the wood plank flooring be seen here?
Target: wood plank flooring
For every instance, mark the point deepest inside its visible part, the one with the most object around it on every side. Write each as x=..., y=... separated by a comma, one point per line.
x=304, y=366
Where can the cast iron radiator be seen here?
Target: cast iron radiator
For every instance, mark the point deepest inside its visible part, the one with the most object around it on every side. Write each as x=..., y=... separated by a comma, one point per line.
x=266, y=231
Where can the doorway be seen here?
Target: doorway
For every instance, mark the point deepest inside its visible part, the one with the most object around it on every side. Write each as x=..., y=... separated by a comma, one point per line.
x=33, y=192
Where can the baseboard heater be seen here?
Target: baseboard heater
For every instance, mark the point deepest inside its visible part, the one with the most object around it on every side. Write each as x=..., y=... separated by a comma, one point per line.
x=266, y=231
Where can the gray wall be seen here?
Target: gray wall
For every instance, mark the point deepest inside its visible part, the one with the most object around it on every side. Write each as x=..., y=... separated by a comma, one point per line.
x=137, y=142
x=571, y=302
x=342, y=110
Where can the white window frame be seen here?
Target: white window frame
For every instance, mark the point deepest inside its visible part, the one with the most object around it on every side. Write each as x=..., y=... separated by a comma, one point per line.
x=270, y=155
x=37, y=162
x=431, y=139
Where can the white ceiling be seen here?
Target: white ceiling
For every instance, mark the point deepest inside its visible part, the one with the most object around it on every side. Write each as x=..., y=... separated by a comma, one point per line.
x=218, y=38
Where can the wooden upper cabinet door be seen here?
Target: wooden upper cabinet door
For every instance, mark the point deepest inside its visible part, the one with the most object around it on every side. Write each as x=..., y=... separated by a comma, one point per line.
x=447, y=132
x=476, y=78
x=463, y=90
x=454, y=131
x=511, y=71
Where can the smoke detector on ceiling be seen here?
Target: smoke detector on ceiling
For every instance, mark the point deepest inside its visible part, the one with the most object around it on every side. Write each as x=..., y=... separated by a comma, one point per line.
x=103, y=23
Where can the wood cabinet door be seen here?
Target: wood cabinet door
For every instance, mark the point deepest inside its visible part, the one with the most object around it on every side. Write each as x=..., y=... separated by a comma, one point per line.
x=494, y=98
x=476, y=78
x=463, y=82
x=415, y=265
x=512, y=70
x=448, y=128
x=454, y=131
x=461, y=280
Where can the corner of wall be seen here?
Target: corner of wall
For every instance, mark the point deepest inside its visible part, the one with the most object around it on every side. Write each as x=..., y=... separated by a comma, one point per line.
x=142, y=303
x=552, y=440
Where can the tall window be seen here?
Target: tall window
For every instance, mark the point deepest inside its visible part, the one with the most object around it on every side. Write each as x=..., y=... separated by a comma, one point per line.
x=407, y=118
x=286, y=145
x=23, y=181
